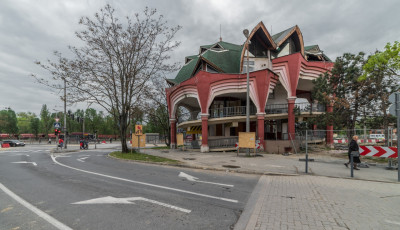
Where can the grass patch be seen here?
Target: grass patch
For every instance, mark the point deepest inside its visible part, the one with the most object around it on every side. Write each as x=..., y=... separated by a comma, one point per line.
x=161, y=147
x=142, y=157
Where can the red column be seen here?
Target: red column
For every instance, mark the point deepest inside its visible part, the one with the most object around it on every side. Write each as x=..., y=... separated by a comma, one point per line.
x=260, y=131
x=291, y=119
x=329, y=128
x=204, y=133
x=173, y=133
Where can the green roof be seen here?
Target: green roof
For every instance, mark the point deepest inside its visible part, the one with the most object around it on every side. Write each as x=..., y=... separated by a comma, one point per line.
x=281, y=35
x=186, y=71
x=227, y=60
x=307, y=48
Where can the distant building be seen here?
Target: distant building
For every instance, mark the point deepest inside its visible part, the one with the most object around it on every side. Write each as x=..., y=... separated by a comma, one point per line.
x=211, y=86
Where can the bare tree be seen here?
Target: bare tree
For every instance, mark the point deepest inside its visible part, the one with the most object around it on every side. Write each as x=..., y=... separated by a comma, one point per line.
x=114, y=66
x=157, y=108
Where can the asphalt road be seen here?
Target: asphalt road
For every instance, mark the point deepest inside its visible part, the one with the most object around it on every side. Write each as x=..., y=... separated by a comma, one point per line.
x=88, y=190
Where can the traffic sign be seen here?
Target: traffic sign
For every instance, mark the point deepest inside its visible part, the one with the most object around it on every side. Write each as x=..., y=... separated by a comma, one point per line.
x=138, y=130
x=57, y=125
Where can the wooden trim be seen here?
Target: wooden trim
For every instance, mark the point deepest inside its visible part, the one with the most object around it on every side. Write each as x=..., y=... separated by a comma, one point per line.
x=258, y=26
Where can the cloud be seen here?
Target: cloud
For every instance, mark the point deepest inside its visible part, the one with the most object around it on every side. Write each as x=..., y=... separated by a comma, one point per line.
x=32, y=30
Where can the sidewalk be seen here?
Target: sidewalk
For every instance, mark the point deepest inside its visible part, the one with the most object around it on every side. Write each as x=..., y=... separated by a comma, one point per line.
x=325, y=198
x=273, y=164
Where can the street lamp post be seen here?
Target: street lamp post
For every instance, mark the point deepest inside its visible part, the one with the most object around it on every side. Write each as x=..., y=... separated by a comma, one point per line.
x=246, y=34
x=65, y=114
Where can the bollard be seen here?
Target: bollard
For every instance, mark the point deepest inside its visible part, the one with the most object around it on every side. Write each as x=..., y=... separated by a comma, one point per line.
x=351, y=165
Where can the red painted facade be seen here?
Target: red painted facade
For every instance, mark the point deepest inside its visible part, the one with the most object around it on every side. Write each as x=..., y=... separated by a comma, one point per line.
x=287, y=70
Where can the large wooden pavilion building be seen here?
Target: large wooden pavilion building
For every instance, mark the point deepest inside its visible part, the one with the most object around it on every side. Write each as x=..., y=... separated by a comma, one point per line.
x=211, y=87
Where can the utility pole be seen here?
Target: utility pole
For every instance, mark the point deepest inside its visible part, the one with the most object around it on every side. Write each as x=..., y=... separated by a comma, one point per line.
x=398, y=133
x=246, y=34
x=65, y=114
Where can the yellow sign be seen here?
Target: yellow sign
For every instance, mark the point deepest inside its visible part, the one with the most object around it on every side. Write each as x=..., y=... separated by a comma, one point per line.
x=141, y=139
x=138, y=130
x=179, y=139
x=247, y=140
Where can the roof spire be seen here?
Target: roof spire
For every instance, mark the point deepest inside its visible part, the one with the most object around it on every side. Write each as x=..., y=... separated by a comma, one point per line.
x=220, y=36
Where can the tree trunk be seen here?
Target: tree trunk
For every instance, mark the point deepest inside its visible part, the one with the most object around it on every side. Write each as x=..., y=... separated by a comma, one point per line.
x=123, y=128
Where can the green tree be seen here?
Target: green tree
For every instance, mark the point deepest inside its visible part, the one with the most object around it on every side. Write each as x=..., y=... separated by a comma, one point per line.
x=35, y=126
x=382, y=70
x=45, y=120
x=387, y=61
x=24, y=122
x=343, y=91
x=8, y=122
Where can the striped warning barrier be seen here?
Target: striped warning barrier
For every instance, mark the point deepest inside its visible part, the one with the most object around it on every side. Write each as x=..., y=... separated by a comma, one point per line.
x=377, y=151
x=343, y=141
x=258, y=146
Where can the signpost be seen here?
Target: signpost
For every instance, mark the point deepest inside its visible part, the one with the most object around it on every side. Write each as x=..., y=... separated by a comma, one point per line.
x=395, y=109
x=398, y=134
x=57, y=125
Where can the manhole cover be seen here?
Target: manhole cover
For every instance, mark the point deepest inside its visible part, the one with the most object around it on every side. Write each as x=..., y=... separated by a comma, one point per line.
x=165, y=151
x=189, y=158
x=231, y=166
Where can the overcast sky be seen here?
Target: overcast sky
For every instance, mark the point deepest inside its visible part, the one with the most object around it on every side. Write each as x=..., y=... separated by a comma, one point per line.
x=31, y=30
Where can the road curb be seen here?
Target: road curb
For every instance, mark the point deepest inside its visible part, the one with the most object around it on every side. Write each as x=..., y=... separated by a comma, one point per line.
x=248, y=218
x=184, y=165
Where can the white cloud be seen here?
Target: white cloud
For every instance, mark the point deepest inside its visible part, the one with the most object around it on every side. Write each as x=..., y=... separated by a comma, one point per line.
x=32, y=30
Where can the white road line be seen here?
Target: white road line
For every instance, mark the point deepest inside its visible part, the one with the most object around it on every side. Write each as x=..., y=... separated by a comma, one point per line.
x=82, y=159
x=195, y=179
x=25, y=162
x=392, y=222
x=129, y=200
x=143, y=183
x=37, y=211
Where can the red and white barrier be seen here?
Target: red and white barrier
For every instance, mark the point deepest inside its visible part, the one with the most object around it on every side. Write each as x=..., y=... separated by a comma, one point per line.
x=258, y=146
x=343, y=141
x=377, y=151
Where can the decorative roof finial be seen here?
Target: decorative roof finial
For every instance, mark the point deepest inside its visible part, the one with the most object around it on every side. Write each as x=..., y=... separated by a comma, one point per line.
x=220, y=36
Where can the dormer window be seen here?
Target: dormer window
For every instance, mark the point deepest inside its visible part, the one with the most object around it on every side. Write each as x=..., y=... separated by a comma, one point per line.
x=187, y=60
x=210, y=69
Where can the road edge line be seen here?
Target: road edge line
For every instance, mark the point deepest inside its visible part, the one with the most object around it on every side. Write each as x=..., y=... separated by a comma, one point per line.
x=35, y=210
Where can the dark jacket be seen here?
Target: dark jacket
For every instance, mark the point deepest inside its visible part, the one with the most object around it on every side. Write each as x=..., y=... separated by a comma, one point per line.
x=353, y=146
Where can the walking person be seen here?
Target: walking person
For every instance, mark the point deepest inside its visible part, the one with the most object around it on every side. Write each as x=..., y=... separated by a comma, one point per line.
x=353, y=147
x=61, y=142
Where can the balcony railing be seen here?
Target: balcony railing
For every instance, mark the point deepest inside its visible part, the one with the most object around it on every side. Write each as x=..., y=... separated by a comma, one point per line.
x=223, y=142
x=241, y=110
x=301, y=107
x=231, y=111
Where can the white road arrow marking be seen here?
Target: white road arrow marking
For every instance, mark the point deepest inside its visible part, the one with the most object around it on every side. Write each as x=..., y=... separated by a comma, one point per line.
x=144, y=183
x=195, y=179
x=25, y=162
x=82, y=159
x=128, y=200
